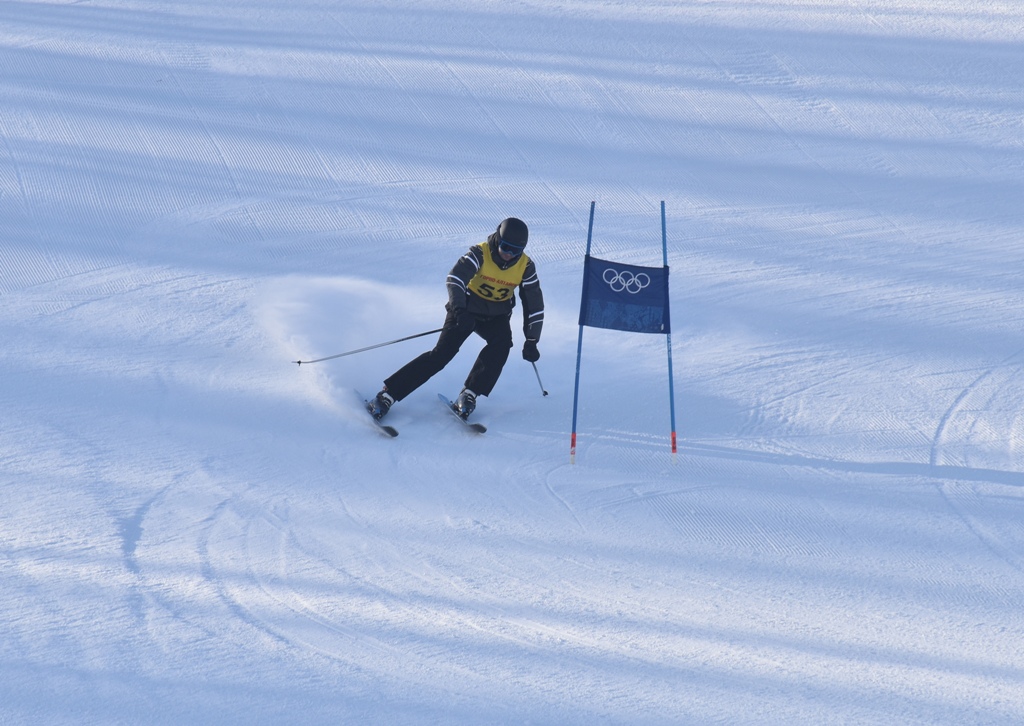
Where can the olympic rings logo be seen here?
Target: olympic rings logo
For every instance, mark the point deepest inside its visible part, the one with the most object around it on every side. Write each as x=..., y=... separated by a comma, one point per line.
x=626, y=280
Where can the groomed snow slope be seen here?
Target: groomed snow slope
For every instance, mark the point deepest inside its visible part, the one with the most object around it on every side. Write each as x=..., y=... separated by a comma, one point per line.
x=196, y=530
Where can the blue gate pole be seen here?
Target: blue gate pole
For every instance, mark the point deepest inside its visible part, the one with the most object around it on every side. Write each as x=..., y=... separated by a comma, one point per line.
x=668, y=342
x=579, y=344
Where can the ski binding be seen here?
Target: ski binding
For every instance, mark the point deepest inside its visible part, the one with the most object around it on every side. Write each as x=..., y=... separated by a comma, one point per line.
x=387, y=429
x=454, y=411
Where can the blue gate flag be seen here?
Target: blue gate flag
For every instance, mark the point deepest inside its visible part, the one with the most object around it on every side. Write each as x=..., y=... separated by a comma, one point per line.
x=625, y=297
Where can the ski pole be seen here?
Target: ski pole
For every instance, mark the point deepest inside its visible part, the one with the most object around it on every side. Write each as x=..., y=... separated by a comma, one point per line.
x=369, y=347
x=538, y=378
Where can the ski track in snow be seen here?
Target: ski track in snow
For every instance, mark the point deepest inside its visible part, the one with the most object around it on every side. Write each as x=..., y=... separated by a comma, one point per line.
x=980, y=430
x=196, y=530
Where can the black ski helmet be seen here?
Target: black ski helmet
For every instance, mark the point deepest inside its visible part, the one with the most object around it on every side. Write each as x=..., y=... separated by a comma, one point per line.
x=513, y=231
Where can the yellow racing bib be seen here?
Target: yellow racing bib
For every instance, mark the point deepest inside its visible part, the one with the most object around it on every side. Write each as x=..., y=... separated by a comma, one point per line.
x=493, y=283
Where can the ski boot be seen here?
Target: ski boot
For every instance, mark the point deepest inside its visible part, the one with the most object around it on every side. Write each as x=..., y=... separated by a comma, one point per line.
x=466, y=403
x=380, y=405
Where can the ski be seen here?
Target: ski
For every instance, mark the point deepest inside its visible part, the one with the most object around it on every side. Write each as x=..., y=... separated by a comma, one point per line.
x=389, y=430
x=453, y=410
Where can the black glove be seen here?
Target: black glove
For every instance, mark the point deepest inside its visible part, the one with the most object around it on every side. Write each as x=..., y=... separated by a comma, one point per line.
x=530, y=352
x=463, y=319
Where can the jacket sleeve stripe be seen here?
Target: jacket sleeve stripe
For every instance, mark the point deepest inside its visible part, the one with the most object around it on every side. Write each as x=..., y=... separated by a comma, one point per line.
x=456, y=282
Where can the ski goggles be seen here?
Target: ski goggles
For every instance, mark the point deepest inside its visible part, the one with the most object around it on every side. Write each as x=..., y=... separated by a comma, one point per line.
x=510, y=249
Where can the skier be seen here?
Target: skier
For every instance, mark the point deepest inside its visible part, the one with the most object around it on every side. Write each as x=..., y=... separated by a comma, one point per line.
x=480, y=300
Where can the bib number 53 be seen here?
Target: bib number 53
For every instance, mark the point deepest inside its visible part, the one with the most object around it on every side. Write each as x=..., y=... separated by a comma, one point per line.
x=491, y=292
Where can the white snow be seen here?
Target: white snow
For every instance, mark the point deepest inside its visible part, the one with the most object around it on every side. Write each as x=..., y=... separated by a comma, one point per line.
x=193, y=529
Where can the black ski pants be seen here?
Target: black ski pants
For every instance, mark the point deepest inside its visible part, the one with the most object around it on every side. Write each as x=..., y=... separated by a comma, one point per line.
x=497, y=334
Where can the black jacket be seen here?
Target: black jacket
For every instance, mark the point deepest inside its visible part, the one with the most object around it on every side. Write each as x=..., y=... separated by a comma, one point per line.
x=461, y=297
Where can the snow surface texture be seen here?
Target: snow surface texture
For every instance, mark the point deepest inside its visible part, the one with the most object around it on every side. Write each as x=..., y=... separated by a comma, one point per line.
x=195, y=530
